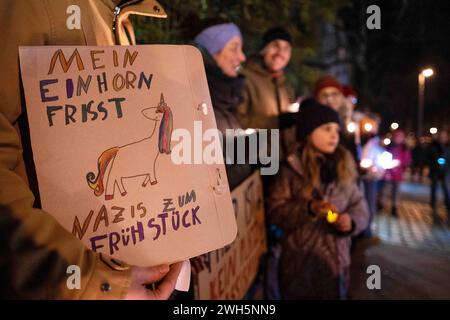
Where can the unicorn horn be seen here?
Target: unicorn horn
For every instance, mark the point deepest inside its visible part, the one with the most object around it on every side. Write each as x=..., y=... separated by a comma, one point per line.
x=162, y=103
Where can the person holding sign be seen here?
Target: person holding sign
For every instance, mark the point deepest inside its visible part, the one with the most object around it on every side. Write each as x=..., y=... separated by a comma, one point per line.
x=39, y=257
x=316, y=202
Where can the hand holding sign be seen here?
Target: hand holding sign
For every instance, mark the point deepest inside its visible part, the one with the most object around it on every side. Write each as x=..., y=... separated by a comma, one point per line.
x=101, y=121
x=142, y=276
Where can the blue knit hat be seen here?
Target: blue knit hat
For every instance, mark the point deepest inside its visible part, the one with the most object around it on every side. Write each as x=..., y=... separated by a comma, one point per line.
x=214, y=38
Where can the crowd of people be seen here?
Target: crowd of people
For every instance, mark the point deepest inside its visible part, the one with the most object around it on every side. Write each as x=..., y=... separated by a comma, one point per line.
x=325, y=193
x=333, y=161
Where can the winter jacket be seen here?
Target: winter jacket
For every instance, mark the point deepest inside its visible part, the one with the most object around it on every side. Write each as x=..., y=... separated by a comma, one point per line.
x=226, y=95
x=315, y=257
x=266, y=101
x=403, y=155
x=438, y=159
x=35, y=250
x=419, y=155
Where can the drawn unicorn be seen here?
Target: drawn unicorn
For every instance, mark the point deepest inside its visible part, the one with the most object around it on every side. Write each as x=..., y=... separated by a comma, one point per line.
x=118, y=163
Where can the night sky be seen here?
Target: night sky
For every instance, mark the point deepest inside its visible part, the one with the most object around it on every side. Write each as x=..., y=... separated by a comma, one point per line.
x=414, y=34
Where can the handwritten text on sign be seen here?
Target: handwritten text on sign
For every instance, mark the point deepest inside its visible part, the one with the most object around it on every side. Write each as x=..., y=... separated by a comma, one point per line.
x=101, y=123
x=170, y=219
x=101, y=83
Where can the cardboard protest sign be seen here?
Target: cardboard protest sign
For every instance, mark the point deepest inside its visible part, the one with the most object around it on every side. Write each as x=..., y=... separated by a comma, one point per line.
x=101, y=122
x=228, y=272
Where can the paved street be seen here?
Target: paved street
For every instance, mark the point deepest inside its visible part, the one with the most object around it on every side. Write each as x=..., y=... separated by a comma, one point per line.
x=414, y=227
x=414, y=254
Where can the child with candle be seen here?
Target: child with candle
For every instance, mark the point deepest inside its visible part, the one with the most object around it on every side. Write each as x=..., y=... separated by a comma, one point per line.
x=317, y=203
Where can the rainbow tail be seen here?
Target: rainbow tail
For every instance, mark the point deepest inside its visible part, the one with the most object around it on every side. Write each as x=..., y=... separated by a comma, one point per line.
x=96, y=183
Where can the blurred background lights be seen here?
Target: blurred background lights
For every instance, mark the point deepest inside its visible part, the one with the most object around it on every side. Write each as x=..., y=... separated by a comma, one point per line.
x=368, y=127
x=351, y=127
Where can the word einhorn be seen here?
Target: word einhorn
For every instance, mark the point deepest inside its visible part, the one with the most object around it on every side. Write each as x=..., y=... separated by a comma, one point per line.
x=99, y=82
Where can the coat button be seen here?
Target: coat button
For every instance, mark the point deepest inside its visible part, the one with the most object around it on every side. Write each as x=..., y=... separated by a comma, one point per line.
x=105, y=287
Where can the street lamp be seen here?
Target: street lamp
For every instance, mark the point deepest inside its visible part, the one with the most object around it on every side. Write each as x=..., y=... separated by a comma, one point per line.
x=427, y=72
x=424, y=74
x=433, y=130
x=394, y=125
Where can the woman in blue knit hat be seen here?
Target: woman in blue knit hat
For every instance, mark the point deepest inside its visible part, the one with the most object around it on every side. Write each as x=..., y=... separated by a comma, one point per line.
x=221, y=46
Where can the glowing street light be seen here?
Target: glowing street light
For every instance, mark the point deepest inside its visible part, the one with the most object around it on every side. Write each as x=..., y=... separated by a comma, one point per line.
x=394, y=125
x=387, y=141
x=426, y=73
x=433, y=130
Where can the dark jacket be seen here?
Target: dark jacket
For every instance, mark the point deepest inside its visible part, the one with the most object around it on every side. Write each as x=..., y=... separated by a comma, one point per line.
x=226, y=95
x=438, y=159
x=419, y=155
x=315, y=257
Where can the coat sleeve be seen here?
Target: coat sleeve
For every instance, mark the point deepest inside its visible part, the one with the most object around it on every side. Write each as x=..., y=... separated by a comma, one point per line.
x=244, y=107
x=358, y=210
x=35, y=250
x=285, y=209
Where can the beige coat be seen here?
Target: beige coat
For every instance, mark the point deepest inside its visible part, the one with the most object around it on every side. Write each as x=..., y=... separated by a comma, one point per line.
x=37, y=250
x=260, y=107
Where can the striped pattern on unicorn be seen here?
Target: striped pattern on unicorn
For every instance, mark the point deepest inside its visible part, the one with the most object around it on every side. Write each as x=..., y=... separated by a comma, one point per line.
x=117, y=163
